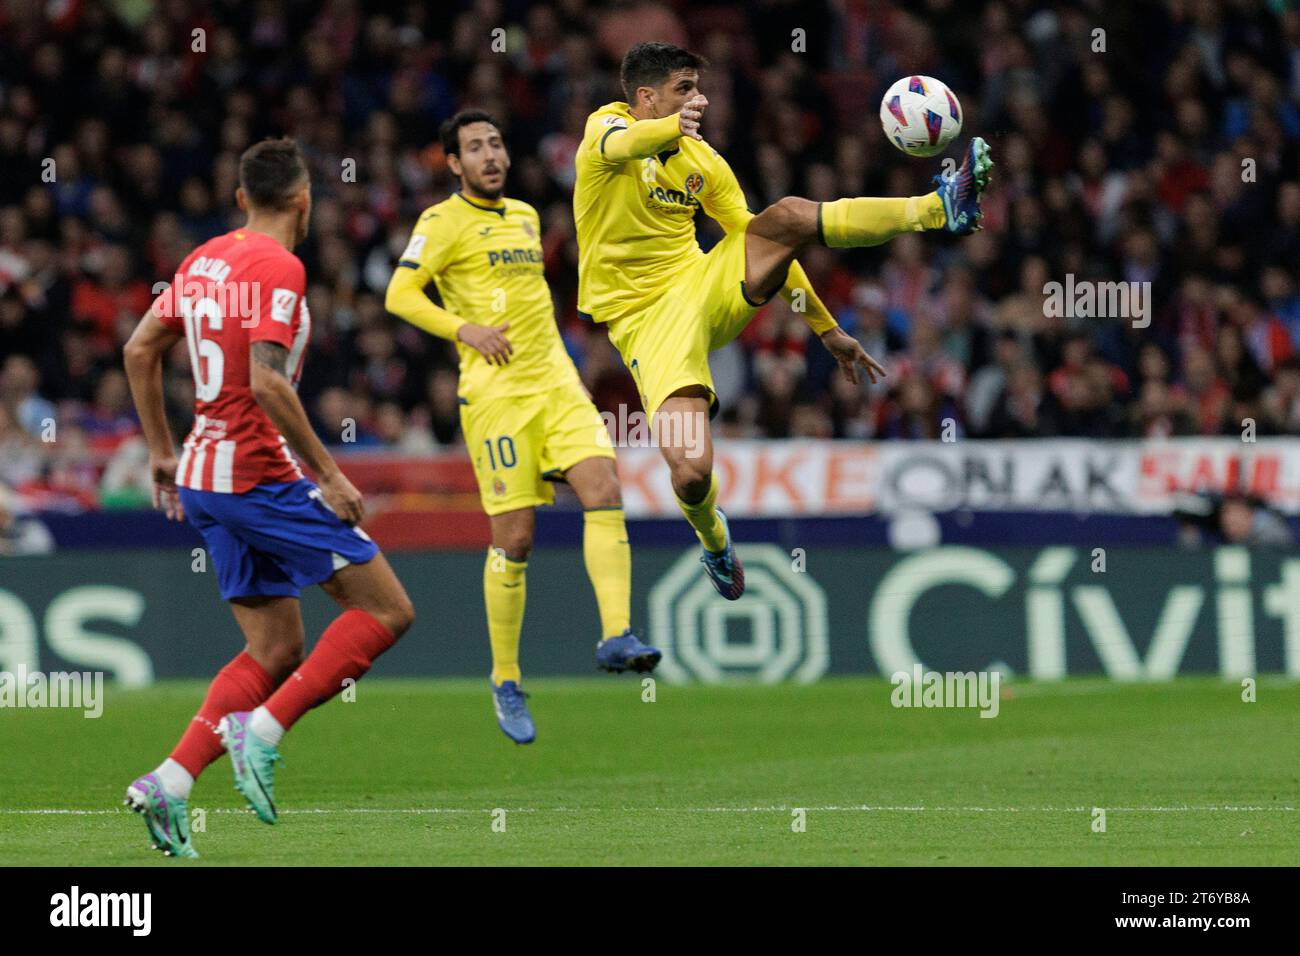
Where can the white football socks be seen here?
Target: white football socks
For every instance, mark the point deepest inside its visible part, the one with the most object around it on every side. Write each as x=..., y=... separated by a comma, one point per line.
x=266, y=726
x=176, y=780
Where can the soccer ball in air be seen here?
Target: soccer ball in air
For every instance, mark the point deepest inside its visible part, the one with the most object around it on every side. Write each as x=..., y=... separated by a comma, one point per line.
x=920, y=115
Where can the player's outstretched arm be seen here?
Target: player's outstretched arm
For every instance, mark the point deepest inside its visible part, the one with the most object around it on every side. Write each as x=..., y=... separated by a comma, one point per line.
x=848, y=351
x=278, y=398
x=650, y=137
x=799, y=293
x=406, y=300
x=143, y=360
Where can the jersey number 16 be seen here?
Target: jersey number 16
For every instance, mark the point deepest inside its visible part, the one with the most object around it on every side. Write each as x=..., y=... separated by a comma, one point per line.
x=208, y=376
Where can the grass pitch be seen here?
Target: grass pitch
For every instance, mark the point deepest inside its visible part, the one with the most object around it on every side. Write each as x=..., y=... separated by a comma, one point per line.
x=411, y=772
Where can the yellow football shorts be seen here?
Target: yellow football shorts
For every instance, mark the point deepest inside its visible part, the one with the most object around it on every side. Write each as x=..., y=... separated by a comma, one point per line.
x=520, y=444
x=703, y=307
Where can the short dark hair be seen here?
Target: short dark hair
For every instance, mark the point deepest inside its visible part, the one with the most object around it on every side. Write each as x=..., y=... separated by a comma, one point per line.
x=651, y=63
x=271, y=172
x=449, y=131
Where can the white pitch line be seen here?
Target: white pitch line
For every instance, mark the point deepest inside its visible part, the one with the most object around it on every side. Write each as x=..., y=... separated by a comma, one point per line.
x=419, y=811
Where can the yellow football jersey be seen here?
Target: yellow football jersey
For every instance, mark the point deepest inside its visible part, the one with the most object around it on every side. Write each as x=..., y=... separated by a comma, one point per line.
x=636, y=218
x=486, y=259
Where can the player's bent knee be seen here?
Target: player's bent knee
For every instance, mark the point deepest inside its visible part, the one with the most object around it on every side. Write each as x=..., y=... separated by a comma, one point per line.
x=283, y=658
x=790, y=220
x=374, y=589
x=396, y=614
x=293, y=657
x=607, y=498
x=689, y=462
x=691, y=478
x=691, y=486
x=606, y=493
x=516, y=547
x=400, y=617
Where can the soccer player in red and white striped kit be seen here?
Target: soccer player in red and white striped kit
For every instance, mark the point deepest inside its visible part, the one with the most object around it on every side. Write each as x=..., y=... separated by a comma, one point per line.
x=239, y=300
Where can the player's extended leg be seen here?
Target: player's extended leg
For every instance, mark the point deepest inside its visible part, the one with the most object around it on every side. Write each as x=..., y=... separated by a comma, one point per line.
x=505, y=590
x=608, y=557
x=775, y=236
x=272, y=628
x=681, y=426
x=376, y=613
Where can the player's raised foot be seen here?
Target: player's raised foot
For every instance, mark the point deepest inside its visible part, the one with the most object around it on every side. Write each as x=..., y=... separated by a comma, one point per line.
x=961, y=191
x=253, y=760
x=511, y=705
x=724, y=567
x=166, y=817
x=626, y=653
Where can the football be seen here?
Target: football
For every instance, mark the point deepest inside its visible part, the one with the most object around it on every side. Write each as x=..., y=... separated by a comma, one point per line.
x=920, y=115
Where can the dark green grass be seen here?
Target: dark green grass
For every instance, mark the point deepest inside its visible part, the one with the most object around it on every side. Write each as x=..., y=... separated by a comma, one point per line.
x=1187, y=772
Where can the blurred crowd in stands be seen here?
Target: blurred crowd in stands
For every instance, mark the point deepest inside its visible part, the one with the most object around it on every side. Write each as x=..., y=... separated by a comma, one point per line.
x=1154, y=142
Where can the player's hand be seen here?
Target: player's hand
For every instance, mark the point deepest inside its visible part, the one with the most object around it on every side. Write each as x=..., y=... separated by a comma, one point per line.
x=162, y=471
x=342, y=497
x=849, y=352
x=488, y=340
x=688, y=120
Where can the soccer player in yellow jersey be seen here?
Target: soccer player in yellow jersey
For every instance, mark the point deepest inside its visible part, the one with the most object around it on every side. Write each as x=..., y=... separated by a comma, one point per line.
x=643, y=171
x=526, y=417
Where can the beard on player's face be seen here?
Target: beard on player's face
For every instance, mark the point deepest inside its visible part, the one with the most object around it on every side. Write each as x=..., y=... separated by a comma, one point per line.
x=487, y=178
x=480, y=188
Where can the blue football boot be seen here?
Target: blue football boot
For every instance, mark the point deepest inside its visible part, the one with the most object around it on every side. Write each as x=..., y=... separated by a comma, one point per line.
x=626, y=653
x=724, y=567
x=512, y=712
x=961, y=191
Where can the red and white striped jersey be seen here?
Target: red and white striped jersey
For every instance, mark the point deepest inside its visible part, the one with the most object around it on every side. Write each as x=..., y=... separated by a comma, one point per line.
x=230, y=292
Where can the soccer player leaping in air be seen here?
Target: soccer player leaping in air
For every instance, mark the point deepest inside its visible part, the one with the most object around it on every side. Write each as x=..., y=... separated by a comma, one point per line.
x=239, y=302
x=527, y=420
x=643, y=170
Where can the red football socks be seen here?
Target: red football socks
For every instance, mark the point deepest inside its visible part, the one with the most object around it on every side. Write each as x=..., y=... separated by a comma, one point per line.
x=240, y=685
x=346, y=650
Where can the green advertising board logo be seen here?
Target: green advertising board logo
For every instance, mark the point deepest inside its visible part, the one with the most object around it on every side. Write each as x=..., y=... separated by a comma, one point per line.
x=781, y=621
x=1157, y=613
x=1041, y=613
x=69, y=635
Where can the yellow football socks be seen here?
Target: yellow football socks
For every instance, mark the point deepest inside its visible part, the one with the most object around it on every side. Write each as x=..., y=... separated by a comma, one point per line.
x=503, y=593
x=609, y=565
x=704, y=518
x=869, y=221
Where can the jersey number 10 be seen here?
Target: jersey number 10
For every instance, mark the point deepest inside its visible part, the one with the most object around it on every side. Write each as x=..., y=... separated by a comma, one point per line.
x=505, y=452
